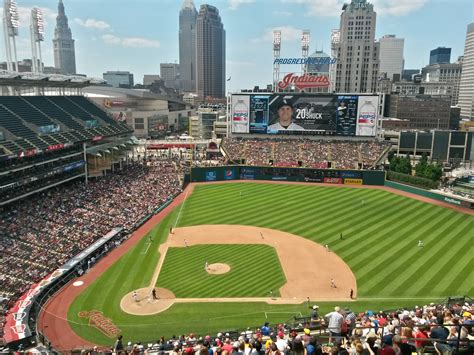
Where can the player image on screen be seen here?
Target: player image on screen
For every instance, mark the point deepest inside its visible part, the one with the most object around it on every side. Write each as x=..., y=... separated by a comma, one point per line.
x=285, y=118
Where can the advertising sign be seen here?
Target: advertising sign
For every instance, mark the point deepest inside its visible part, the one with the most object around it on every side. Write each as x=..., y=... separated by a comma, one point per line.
x=229, y=174
x=353, y=181
x=240, y=113
x=211, y=176
x=304, y=81
x=367, y=115
x=332, y=180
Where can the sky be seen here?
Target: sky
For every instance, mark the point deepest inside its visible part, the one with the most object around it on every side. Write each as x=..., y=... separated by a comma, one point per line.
x=138, y=35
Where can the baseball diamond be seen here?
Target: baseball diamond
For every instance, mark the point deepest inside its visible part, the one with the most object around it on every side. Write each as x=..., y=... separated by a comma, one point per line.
x=249, y=216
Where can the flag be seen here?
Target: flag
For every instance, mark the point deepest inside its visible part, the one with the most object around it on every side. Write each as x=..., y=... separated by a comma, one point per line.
x=229, y=78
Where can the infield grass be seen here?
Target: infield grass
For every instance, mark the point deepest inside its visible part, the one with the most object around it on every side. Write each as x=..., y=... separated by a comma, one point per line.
x=380, y=235
x=189, y=279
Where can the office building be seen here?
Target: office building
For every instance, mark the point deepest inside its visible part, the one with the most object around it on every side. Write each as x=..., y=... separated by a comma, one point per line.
x=119, y=79
x=187, y=46
x=417, y=112
x=210, y=53
x=466, y=87
x=149, y=79
x=63, y=44
x=440, y=55
x=449, y=73
x=169, y=73
x=407, y=74
x=391, y=56
x=357, y=52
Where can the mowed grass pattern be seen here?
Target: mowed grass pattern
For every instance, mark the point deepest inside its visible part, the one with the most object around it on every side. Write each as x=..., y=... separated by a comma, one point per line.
x=380, y=232
x=183, y=271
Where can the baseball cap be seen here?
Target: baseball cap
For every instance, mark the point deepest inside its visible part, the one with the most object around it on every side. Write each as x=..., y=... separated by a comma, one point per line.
x=281, y=335
x=315, y=307
x=284, y=102
x=307, y=331
x=466, y=314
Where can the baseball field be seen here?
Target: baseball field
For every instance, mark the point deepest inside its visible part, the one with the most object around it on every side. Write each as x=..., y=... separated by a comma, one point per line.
x=242, y=254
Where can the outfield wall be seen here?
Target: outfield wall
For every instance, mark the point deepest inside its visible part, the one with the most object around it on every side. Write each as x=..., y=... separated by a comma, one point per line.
x=329, y=176
x=430, y=194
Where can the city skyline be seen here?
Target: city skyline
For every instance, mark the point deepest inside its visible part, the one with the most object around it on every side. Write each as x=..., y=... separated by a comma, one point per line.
x=106, y=40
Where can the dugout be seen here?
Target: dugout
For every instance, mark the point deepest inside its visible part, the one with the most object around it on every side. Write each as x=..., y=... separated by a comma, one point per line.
x=329, y=176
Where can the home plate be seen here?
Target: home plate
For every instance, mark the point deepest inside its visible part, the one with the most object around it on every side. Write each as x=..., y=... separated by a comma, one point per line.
x=78, y=283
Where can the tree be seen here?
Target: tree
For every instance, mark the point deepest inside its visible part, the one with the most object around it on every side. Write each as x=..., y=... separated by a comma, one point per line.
x=420, y=168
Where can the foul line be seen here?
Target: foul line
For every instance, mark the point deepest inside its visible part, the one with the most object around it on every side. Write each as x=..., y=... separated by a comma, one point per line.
x=163, y=249
x=146, y=250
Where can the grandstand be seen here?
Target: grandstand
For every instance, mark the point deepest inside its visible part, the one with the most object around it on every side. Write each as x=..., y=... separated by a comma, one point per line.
x=320, y=154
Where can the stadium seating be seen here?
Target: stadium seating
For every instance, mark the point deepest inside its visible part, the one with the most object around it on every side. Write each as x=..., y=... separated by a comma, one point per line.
x=336, y=154
x=40, y=234
x=54, y=111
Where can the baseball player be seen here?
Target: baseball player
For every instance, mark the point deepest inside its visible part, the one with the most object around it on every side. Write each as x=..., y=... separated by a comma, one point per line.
x=261, y=234
x=185, y=243
x=420, y=244
x=333, y=283
x=327, y=247
x=206, y=266
x=135, y=296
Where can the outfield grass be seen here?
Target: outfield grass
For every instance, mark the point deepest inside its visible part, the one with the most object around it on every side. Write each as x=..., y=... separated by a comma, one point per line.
x=189, y=279
x=380, y=230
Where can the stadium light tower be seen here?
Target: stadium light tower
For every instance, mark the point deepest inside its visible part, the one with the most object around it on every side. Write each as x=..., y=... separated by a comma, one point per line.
x=10, y=30
x=37, y=36
x=335, y=41
x=304, y=47
x=276, y=55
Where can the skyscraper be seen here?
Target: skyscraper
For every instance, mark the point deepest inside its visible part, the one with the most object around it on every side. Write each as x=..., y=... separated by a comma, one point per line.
x=391, y=56
x=64, y=53
x=440, y=55
x=466, y=88
x=210, y=52
x=357, y=52
x=187, y=46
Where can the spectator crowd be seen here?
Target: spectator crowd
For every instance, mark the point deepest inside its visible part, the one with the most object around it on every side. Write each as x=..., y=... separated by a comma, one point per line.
x=336, y=154
x=41, y=233
x=431, y=329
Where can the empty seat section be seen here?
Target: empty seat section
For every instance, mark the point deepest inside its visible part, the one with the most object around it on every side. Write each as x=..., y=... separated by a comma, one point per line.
x=28, y=113
x=53, y=111
x=14, y=124
x=91, y=108
x=70, y=107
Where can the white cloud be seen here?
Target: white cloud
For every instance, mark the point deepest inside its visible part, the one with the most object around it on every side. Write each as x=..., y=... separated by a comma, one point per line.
x=288, y=33
x=134, y=42
x=234, y=4
x=398, y=7
x=282, y=13
x=321, y=8
x=92, y=23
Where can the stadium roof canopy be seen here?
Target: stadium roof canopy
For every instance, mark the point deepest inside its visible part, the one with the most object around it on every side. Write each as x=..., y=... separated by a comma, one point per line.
x=108, y=91
x=29, y=79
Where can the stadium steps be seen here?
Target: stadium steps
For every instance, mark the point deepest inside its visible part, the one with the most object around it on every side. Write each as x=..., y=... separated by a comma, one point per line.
x=27, y=112
x=49, y=108
x=90, y=107
x=71, y=108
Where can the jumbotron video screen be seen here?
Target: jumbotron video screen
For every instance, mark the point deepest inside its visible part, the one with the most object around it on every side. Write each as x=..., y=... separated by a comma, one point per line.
x=304, y=114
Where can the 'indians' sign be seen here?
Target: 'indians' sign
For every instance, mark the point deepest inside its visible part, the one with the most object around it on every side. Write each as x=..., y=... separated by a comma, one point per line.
x=304, y=81
x=99, y=321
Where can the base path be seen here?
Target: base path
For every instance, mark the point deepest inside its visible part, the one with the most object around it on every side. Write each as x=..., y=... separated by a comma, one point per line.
x=308, y=267
x=53, y=317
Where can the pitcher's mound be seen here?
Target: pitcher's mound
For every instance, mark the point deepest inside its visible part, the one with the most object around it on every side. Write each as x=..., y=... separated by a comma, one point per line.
x=144, y=304
x=218, y=268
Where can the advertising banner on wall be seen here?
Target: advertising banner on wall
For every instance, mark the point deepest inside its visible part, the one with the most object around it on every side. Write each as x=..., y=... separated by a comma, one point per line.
x=240, y=113
x=367, y=115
